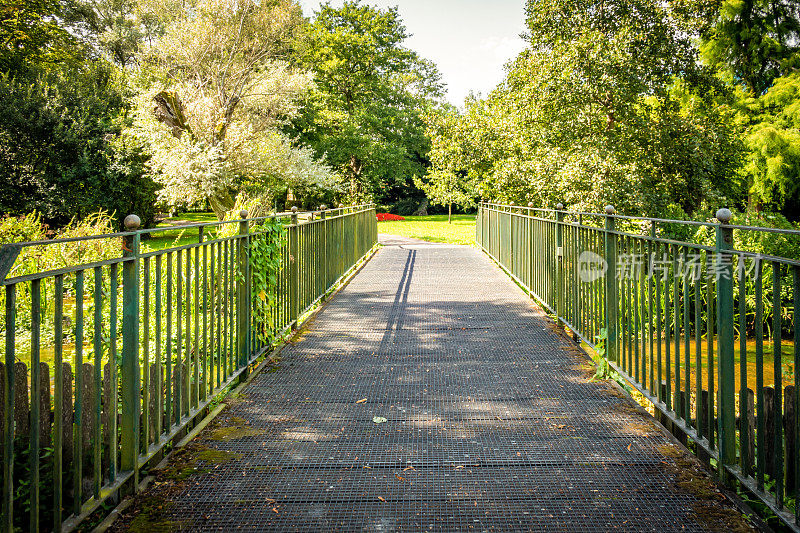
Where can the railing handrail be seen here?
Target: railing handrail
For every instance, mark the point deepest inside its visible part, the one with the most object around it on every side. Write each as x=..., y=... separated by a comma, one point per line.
x=144, y=231
x=767, y=229
x=10, y=251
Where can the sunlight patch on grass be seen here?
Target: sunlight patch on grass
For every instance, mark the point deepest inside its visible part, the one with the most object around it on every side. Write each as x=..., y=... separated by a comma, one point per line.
x=433, y=228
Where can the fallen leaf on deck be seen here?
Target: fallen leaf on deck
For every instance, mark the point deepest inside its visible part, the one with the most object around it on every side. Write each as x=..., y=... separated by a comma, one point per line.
x=381, y=498
x=362, y=400
x=378, y=419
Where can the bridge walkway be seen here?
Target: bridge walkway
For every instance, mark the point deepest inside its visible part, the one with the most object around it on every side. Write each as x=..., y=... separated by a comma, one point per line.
x=432, y=394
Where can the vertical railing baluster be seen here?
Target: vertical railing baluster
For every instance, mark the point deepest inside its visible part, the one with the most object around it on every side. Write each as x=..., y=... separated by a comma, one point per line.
x=97, y=443
x=158, y=356
x=36, y=385
x=8, y=408
x=177, y=371
x=795, y=465
x=168, y=350
x=77, y=434
x=777, y=368
x=761, y=441
x=112, y=359
x=145, y=354
x=744, y=431
x=58, y=403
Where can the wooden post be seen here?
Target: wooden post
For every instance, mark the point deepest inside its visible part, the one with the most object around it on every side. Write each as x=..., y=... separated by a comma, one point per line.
x=789, y=435
x=769, y=424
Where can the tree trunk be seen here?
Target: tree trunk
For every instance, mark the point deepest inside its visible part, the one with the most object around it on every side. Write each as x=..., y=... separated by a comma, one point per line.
x=449, y=213
x=221, y=203
x=354, y=170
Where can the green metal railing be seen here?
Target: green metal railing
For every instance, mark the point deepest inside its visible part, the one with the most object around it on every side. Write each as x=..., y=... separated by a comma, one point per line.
x=707, y=333
x=140, y=345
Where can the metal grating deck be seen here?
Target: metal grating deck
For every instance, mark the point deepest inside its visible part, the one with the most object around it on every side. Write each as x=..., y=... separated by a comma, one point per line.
x=492, y=424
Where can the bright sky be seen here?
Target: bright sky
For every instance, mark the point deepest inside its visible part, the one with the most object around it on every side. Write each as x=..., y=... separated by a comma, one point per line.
x=469, y=40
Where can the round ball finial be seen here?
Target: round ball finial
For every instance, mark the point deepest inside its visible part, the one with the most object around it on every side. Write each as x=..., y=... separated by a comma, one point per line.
x=132, y=222
x=511, y=203
x=341, y=206
x=559, y=206
x=610, y=210
x=530, y=204
x=323, y=207
x=294, y=209
x=724, y=215
x=243, y=213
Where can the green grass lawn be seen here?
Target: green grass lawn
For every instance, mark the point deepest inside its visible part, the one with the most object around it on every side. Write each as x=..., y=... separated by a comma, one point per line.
x=179, y=236
x=433, y=228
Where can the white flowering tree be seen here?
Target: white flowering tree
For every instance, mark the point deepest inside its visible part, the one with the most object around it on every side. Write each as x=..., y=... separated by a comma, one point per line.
x=218, y=92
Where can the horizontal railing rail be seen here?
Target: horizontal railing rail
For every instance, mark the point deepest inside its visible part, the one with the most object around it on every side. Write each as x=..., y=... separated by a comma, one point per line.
x=708, y=334
x=107, y=361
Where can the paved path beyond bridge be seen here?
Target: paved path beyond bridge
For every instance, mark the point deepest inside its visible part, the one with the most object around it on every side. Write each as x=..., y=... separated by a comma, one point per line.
x=431, y=394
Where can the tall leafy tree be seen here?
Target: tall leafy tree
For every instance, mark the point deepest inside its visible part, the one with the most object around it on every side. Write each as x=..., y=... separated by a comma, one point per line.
x=752, y=41
x=772, y=139
x=364, y=116
x=63, y=152
x=220, y=88
x=607, y=105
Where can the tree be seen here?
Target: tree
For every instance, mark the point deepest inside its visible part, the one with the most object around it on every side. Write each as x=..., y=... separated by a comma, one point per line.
x=772, y=139
x=220, y=88
x=607, y=105
x=447, y=181
x=753, y=41
x=32, y=38
x=63, y=152
x=364, y=115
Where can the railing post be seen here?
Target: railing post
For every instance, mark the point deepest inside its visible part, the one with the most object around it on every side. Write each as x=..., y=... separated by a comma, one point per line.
x=530, y=249
x=243, y=293
x=130, y=351
x=611, y=285
x=294, y=279
x=327, y=268
x=559, y=262
x=510, y=263
x=724, y=274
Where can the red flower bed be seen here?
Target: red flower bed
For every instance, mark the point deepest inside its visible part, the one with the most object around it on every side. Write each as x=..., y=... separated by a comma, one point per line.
x=383, y=217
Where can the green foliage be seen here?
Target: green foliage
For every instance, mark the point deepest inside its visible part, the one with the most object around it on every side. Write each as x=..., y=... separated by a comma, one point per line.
x=592, y=113
x=772, y=168
x=752, y=42
x=603, y=368
x=30, y=36
x=447, y=182
x=62, y=152
x=364, y=117
x=268, y=238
